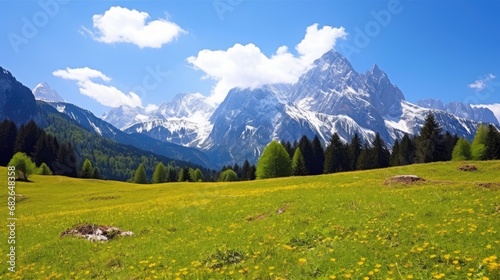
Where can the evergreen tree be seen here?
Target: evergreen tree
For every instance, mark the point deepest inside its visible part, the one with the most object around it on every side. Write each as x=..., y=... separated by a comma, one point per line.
x=336, y=156
x=449, y=142
x=46, y=149
x=140, y=176
x=184, y=175
x=288, y=147
x=96, y=173
x=407, y=147
x=396, y=155
x=429, y=142
x=171, y=174
x=354, y=151
x=462, y=150
x=160, y=174
x=298, y=164
x=27, y=137
x=8, y=134
x=380, y=153
x=23, y=164
x=87, y=169
x=274, y=162
x=246, y=171
x=364, y=159
x=66, y=161
x=306, y=149
x=236, y=168
x=318, y=156
x=492, y=150
x=44, y=169
x=228, y=175
x=478, y=146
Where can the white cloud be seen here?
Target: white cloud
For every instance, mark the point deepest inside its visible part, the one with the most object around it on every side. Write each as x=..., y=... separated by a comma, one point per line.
x=246, y=66
x=105, y=94
x=121, y=25
x=482, y=83
x=151, y=108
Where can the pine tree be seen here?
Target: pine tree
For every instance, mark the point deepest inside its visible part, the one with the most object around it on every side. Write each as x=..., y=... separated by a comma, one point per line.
x=171, y=174
x=87, y=169
x=246, y=170
x=160, y=174
x=44, y=169
x=364, y=159
x=306, y=149
x=184, y=175
x=396, y=155
x=429, y=141
x=8, y=134
x=380, y=153
x=288, y=147
x=462, y=150
x=298, y=164
x=492, y=143
x=318, y=155
x=140, y=176
x=336, y=156
x=354, y=151
x=274, y=162
x=407, y=147
x=27, y=137
x=478, y=146
x=96, y=173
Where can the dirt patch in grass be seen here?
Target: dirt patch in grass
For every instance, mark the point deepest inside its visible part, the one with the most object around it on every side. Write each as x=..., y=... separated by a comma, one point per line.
x=490, y=186
x=102, y=198
x=467, y=167
x=257, y=217
x=94, y=232
x=404, y=179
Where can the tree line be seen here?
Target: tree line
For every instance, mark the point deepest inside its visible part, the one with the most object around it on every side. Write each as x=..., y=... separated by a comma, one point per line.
x=30, y=146
x=307, y=157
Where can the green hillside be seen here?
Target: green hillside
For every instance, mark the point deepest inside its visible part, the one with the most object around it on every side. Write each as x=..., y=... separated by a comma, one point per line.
x=346, y=225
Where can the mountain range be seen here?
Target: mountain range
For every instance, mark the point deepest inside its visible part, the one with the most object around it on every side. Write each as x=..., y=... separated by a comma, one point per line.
x=330, y=97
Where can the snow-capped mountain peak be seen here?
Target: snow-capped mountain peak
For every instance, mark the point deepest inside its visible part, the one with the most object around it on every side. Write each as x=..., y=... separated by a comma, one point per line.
x=44, y=92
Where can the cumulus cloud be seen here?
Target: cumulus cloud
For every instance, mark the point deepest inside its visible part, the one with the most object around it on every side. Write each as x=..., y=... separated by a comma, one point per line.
x=246, y=66
x=121, y=25
x=482, y=83
x=105, y=94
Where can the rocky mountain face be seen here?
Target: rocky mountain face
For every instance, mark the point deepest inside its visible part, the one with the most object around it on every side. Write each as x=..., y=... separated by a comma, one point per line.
x=44, y=92
x=16, y=101
x=331, y=97
x=463, y=110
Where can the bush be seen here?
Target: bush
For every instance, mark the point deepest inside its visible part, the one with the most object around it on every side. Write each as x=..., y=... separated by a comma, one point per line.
x=228, y=176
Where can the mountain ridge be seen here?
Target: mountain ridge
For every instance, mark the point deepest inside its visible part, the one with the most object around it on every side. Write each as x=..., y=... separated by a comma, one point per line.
x=330, y=97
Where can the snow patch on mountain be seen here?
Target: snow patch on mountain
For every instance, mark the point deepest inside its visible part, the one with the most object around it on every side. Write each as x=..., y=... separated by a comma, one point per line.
x=45, y=93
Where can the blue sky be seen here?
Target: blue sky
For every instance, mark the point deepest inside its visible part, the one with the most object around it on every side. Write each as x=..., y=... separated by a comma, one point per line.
x=430, y=49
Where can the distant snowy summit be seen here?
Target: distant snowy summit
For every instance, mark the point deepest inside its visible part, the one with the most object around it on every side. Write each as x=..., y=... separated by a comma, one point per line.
x=45, y=93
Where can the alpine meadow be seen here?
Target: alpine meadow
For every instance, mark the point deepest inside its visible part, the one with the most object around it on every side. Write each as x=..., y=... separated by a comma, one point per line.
x=352, y=225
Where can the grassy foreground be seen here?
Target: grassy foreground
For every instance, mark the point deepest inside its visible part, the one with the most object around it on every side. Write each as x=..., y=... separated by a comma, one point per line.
x=348, y=225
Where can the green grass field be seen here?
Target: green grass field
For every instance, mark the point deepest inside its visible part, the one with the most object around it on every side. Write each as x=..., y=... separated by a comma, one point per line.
x=341, y=226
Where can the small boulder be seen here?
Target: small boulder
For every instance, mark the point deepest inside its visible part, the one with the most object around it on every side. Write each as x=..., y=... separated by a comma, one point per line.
x=404, y=179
